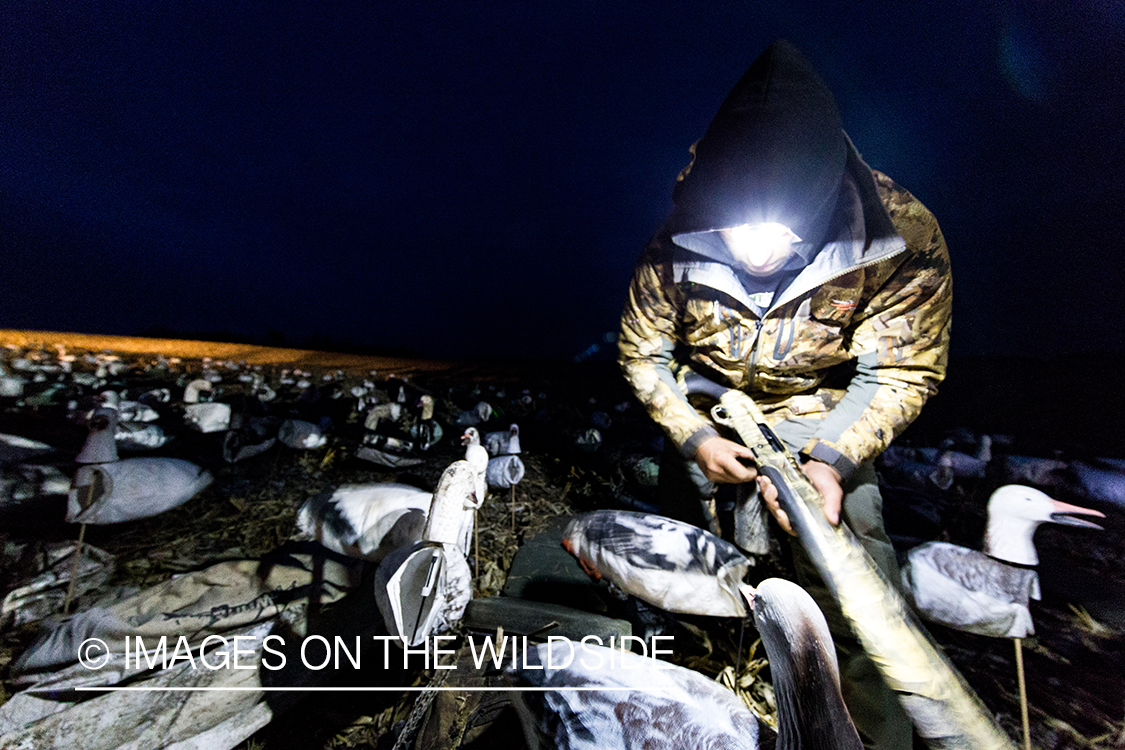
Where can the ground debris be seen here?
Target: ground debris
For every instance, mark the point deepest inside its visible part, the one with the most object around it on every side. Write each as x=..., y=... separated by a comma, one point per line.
x=1074, y=664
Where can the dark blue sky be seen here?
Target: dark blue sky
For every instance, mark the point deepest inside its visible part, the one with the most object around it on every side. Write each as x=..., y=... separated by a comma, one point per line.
x=478, y=178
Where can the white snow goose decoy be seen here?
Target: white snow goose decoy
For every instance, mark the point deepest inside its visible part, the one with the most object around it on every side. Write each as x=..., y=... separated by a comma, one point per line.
x=626, y=701
x=477, y=456
x=423, y=588
x=107, y=490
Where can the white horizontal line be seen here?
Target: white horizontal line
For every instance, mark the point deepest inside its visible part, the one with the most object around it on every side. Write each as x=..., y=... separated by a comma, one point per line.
x=472, y=689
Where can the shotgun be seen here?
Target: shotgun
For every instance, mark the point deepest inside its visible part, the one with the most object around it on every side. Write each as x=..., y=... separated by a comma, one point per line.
x=945, y=710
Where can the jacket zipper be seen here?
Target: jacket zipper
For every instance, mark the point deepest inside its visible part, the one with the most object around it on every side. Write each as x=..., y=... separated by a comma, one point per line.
x=754, y=344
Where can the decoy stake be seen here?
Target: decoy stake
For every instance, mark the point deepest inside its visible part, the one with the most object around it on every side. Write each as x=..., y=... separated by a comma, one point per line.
x=1023, y=694
x=75, y=559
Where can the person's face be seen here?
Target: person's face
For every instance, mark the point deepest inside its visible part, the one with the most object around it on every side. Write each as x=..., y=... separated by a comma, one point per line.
x=760, y=249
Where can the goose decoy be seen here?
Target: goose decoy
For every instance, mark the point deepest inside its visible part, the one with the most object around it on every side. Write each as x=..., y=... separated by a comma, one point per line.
x=669, y=564
x=424, y=588
x=208, y=416
x=301, y=435
x=503, y=442
x=21, y=483
x=249, y=437
x=16, y=449
x=132, y=488
x=390, y=412
x=1101, y=479
x=140, y=436
x=472, y=417
x=108, y=490
x=1042, y=472
x=505, y=467
x=368, y=521
x=988, y=592
x=194, y=390
x=477, y=457
x=129, y=411
x=101, y=439
x=426, y=431
x=632, y=702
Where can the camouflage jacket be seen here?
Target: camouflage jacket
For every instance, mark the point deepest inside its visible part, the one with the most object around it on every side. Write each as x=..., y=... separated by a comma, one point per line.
x=858, y=340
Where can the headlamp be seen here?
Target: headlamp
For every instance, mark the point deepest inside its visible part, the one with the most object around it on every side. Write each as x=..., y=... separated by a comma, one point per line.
x=760, y=248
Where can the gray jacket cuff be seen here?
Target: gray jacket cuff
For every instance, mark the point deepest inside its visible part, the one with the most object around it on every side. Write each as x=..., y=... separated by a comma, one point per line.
x=825, y=454
x=691, y=445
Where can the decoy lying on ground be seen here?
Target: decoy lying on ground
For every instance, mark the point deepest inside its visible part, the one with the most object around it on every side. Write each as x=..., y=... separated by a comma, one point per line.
x=208, y=416
x=672, y=565
x=301, y=435
x=132, y=488
x=366, y=520
x=108, y=490
x=16, y=449
x=634, y=702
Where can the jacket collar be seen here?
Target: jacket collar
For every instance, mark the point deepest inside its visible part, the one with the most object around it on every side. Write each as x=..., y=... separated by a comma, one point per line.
x=867, y=236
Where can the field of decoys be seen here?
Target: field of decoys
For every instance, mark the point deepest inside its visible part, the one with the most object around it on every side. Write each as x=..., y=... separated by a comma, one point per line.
x=206, y=491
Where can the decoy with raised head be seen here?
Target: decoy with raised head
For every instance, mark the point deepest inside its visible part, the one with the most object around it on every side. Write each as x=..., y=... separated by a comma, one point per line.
x=987, y=591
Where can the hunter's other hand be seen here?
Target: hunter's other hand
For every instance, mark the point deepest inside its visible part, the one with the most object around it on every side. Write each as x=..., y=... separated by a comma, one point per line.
x=719, y=460
x=826, y=480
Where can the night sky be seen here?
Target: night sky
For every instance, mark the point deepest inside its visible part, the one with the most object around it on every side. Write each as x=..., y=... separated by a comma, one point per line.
x=476, y=179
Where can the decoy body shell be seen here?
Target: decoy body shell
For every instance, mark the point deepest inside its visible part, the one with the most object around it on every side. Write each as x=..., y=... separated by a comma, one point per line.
x=669, y=564
x=660, y=705
x=366, y=520
x=988, y=592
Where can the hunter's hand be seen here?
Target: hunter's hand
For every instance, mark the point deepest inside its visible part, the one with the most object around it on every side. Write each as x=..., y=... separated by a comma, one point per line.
x=826, y=480
x=719, y=460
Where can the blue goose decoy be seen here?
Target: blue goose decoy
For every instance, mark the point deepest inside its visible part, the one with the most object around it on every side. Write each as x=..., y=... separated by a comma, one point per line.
x=987, y=591
x=367, y=521
x=669, y=564
x=650, y=704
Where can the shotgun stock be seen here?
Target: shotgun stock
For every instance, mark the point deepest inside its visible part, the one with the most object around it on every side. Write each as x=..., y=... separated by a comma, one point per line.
x=945, y=710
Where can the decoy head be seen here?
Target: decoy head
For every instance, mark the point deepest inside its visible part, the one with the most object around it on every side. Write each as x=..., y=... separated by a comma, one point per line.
x=426, y=404
x=803, y=665
x=1029, y=505
x=470, y=436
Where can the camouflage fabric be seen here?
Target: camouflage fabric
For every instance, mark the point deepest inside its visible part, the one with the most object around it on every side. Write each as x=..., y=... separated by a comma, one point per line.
x=858, y=340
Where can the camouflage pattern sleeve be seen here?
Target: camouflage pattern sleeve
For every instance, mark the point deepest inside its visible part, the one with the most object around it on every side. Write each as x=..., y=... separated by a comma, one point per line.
x=900, y=340
x=648, y=338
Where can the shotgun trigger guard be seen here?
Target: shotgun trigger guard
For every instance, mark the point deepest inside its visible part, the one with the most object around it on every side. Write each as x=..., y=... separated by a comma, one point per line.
x=720, y=415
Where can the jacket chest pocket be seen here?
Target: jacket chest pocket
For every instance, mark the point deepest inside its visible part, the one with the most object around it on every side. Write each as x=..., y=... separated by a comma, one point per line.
x=834, y=304
x=725, y=333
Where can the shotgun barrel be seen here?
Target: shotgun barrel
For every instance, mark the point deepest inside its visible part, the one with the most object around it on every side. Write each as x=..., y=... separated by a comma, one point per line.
x=945, y=710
